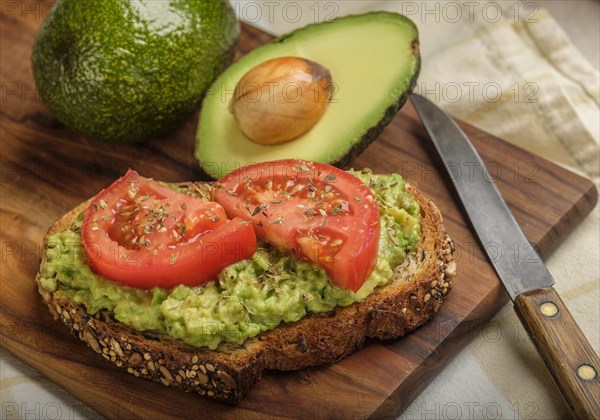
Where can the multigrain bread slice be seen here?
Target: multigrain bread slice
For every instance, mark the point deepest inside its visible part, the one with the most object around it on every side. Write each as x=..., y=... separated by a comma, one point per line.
x=419, y=287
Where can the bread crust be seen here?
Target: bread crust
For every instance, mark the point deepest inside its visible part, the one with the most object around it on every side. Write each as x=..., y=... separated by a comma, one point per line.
x=418, y=289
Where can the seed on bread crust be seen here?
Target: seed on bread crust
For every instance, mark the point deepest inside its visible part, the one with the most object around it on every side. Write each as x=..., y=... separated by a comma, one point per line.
x=91, y=340
x=227, y=380
x=228, y=373
x=135, y=359
x=116, y=348
x=451, y=269
x=165, y=373
x=202, y=378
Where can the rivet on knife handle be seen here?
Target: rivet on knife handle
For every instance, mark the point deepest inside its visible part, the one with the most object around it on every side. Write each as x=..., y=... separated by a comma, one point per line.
x=565, y=350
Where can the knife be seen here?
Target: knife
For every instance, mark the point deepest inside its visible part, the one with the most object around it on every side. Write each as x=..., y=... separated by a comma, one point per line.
x=567, y=354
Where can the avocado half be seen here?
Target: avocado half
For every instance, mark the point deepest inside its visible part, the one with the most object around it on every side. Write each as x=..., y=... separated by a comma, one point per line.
x=124, y=71
x=374, y=63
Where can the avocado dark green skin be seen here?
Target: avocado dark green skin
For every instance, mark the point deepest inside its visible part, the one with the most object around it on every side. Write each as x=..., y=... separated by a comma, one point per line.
x=120, y=71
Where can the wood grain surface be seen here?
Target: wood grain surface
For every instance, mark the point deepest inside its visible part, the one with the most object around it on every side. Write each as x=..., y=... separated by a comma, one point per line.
x=47, y=169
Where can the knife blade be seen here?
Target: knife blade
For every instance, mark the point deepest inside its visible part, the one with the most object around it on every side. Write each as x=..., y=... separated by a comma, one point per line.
x=567, y=354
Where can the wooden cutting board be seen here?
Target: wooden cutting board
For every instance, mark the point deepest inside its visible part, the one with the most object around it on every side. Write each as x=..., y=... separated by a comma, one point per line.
x=47, y=170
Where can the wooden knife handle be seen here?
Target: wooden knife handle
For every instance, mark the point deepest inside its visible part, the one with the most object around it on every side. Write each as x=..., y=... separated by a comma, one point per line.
x=565, y=350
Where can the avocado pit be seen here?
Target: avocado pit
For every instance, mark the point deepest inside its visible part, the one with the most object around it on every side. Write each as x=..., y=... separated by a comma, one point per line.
x=281, y=99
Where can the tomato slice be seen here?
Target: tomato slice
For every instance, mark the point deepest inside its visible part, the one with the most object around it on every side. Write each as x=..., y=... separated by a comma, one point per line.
x=315, y=211
x=143, y=234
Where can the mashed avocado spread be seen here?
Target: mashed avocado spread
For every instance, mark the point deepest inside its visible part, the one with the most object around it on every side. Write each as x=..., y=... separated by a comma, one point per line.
x=248, y=297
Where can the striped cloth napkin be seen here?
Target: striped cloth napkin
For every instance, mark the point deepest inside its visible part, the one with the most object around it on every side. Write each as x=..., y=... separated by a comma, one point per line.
x=509, y=69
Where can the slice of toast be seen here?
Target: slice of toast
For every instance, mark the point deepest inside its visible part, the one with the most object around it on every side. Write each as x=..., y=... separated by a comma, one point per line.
x=419, y=287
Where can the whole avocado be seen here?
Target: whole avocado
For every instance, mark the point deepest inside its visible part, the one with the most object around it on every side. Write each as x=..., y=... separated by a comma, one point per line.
x=125, y=71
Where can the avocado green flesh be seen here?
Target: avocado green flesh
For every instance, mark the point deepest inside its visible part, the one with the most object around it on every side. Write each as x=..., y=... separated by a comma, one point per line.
x=248, y=297
x=124, y=71
x=373, y=60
